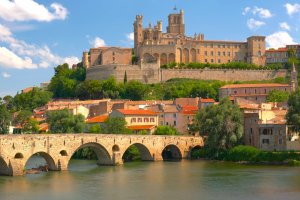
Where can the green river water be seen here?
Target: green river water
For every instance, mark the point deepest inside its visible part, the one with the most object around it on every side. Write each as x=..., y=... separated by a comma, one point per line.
x=185, y=180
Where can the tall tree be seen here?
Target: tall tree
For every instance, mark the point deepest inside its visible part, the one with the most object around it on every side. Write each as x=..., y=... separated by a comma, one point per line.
x=221, y=124
x=277, y=96
x=62, y=121
x=5, y=119
x=293, y=115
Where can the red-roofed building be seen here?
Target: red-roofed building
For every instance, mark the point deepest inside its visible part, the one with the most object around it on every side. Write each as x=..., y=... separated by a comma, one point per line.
x=185, y=118
x=98, y=120
x=138, y=119
x=205, y=102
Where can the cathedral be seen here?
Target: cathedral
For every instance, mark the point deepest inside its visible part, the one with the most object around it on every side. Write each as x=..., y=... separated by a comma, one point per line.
x=151, y=43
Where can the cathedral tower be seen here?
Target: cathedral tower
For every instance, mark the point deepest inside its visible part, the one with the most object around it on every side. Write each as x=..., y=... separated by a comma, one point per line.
x=138, y=34
x=176, y=23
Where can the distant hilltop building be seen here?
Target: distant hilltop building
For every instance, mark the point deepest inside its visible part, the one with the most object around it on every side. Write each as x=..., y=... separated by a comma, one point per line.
x=154, y=48
x=280, y=55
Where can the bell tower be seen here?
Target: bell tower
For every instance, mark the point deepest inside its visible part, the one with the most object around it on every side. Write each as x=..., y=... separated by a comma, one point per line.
x=294, y=81
x=138, y=33
x=176, y=23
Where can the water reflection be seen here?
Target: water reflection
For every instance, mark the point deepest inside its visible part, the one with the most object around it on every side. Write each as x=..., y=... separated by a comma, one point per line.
x=156, y=180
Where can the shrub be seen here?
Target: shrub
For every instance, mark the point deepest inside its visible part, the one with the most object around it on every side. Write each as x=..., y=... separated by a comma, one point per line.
x=242, y=153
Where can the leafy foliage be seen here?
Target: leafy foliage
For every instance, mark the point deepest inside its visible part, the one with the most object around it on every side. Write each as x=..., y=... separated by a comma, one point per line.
x=132, y=154
x=5, y=118
x=277, y=96
x=293, y=115
x=95, y=129
x=62, y=121
x=165, y=130
x=221, y=124
x=31, y=100
x=115, y=125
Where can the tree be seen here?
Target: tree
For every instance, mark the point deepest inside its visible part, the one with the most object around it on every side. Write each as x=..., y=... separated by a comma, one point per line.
x=23, y=119
x=31, y=100
x=62, y=121
x=5, y=119
x=293, y=115
x=221, y=124
x=89, y=89
x=95, y=129
x=134, y=90
x=115, y=125
x=125, y=77
x=277, y=96
x=165, y=130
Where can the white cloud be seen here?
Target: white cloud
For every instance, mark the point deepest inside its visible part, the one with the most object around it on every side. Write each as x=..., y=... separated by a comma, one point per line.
x=130, y=36
x=246, y=10
x=262, y=12
x=292, y=8
x=98, y=42
x=256, y=11
x=25, y=10
x=279, y=39
x=22, y=55
x=6, y=75
x=284, y=26
x=254, y=24
x=71, y=60
x=11, y=60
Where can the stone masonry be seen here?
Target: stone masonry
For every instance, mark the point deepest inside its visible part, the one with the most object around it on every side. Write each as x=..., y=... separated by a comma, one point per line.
x=57, y=149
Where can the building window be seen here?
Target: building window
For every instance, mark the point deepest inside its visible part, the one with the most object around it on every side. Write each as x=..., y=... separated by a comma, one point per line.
x=198, y=50
x=280, y=141
x=228, y=61
x=133, y=120
x=140, y=119
x=174, y=115
x=161, y=123
x=224, y=53
x=212, y=60
x=265, y=141
x=146, y=119
x=152, y=119
x=219, y=60
x=205, y=60
x=228, y=53
x=211, y=53
x=205, y=53
x=223, y=45
x=219, y=53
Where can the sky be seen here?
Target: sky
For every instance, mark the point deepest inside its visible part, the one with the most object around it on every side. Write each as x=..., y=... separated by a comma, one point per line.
x=38, y=35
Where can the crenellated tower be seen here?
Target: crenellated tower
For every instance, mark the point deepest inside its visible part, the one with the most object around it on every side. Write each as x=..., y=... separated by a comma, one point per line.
x=176, y=23
x=138, y=33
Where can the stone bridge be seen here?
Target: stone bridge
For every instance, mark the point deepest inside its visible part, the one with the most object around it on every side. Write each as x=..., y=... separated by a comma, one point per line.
x=57, y=149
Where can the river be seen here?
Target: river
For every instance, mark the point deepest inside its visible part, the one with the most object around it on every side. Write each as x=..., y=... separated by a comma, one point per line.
x=156, y=180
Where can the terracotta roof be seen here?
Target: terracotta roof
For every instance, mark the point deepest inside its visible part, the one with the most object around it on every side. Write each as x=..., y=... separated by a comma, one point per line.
x=44, y=127
x=136, y=112
x=277, y=50
x=189, y=110
x=207, y=100
x=141, y=127
x=97, y=119
x=27, y=89
x=249, y=106
x=255, y=85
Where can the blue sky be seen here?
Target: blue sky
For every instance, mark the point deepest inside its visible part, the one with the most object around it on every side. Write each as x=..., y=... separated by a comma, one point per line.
x=37, y=35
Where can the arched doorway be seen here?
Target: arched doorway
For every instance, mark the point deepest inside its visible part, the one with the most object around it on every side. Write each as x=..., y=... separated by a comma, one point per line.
x=4, y=170
x=137, y=151
x=171, y=58
x=193, y=55
x=163, y=59
x=186, y=56
x=91, y=151
x=171, y=153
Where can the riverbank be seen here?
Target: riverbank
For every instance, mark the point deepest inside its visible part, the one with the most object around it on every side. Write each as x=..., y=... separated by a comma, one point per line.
x=249, y=155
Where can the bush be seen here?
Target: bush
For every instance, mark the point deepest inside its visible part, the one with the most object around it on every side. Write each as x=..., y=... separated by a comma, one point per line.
x=242, y=153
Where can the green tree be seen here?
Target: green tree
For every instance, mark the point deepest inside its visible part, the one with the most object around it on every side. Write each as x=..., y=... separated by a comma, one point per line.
x=31, y=100
x=134, y=90
x=125, y=77
x=221, y=124
x=293, y=115
x=95, y=129
x=24, y=119
x=62, y=121
x=89, y=89
x=115, y=125
x=165, y=130
x=5, y=119
x=277, y=96
x=32, y=126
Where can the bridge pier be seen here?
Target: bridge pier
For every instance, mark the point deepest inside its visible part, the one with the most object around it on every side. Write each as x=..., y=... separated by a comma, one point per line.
x=117, y=158
x=16, y=167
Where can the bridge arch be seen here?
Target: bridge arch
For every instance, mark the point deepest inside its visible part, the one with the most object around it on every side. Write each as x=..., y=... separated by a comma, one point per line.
x=48, y=158
x=104, y=158
x=4, y=169
x=171, y=152
x=145, y=152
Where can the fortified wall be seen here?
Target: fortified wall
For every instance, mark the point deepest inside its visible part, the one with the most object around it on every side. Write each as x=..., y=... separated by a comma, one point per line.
x=150, y=73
